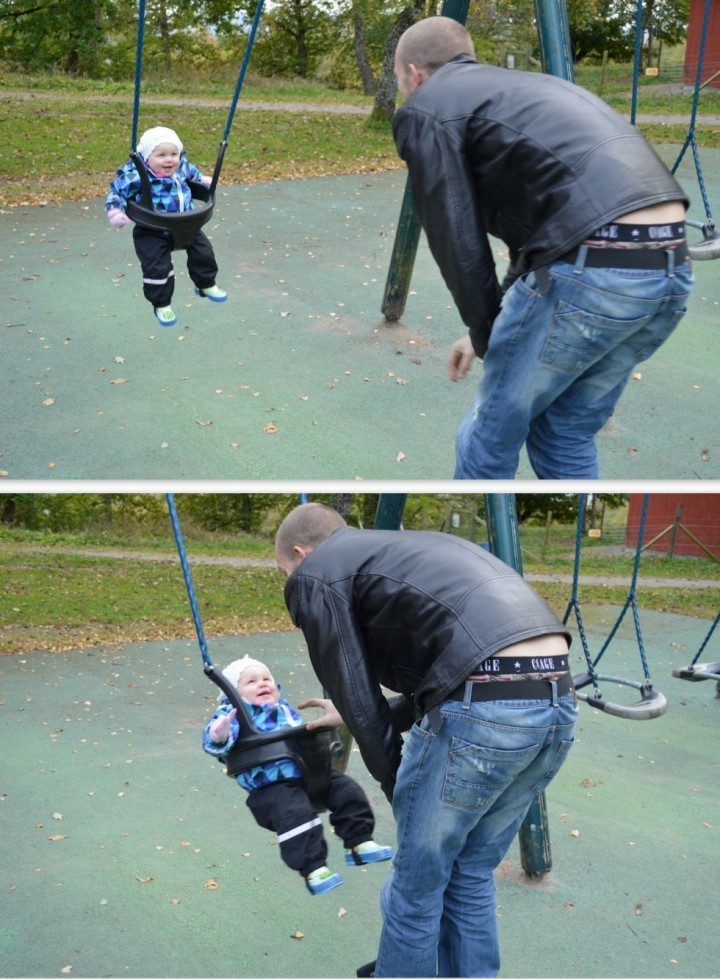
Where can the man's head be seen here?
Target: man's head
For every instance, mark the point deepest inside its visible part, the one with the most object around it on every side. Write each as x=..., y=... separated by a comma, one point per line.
x=427, y=46
x=252, y=680
x=301, y=531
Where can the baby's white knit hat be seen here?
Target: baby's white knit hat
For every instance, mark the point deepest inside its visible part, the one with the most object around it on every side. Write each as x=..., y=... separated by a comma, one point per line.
x=152, y=138
x=234, y=670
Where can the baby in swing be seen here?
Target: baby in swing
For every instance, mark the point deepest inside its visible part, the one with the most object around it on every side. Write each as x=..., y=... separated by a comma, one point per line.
x=277, y=797
x=169, y=170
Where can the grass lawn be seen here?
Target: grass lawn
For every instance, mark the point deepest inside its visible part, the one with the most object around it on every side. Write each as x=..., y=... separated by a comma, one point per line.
x=62, y=139
x=61, y=594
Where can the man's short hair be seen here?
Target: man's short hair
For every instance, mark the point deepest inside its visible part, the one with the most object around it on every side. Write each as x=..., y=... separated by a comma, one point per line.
x=307, y=526
x=431, y=43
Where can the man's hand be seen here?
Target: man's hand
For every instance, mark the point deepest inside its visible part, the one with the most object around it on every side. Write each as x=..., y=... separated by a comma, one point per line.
x=220, y=731
x=461, y=358
x=331, y=717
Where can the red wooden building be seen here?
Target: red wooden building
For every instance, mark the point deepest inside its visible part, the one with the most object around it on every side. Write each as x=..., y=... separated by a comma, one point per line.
x=711, y=59
x=677, y=523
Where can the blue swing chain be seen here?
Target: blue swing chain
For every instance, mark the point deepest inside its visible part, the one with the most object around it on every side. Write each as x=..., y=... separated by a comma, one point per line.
x=631, y=600
x=188, y=580
x=138, y=71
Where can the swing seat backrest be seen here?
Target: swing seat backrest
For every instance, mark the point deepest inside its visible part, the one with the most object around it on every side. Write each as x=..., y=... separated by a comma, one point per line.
x=182, y=226
x=312, y=751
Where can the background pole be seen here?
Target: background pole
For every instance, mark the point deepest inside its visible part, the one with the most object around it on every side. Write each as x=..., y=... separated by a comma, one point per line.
x=504, y=540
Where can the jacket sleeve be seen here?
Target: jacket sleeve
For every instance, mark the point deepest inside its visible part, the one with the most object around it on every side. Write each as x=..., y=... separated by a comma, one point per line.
x=218, y=750
x=125, y=187
x=338, y=656
x=446, y=200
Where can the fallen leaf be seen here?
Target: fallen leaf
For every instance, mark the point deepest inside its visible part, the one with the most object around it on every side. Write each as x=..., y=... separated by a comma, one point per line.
x=57, y=815
x=4, y=473
x=400, y=457
x=270, y=428
x=120, y=380
x=49, y=401
x=66, y=969
x=144, y=880
x=588, y=783
x=574, y=832
x=637, y=376
x=341, y=913
x=639, y=910
x=203, y=424
x=705, y=455
x=298, y=935
x=211, y=885
x=57, y=836
x=119, y=360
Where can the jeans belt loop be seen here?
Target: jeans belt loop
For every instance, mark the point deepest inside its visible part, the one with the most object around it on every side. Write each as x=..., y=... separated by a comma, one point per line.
x=670, y=252
x=580, y=260
x=553, y=687
x=467, y=699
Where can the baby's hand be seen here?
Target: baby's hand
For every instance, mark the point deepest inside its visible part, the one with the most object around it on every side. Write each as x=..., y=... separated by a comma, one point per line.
x=206, y=181
x=118, y=218
x=220, y=731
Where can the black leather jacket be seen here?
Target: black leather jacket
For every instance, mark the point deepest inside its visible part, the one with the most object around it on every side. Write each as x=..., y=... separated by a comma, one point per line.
x=526, y=157
x=412, y=611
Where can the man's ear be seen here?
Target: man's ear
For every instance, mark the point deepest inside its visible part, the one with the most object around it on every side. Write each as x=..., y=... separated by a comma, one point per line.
x=417, y=75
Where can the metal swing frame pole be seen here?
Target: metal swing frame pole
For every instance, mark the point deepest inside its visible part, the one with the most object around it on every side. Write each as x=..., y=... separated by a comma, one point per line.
x=504, y=540
x=407, y=233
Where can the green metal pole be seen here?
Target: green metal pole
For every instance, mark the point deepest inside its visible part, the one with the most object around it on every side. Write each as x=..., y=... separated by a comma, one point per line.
x=388, y=515
x=504, y=540
x=554, y=36
x=407, y=235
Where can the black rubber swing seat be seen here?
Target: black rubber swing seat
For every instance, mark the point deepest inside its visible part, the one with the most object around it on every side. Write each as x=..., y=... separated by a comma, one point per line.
x=652, y=702
x=182, y=226
x=709, y=247
x=312, y=751
x=700, y=671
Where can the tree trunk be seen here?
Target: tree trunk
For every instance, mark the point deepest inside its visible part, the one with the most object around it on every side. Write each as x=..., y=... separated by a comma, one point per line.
x=364, y=67
x=386, y=94
x=342, y=503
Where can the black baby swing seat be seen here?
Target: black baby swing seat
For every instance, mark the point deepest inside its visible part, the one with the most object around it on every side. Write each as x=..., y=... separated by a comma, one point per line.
x=312, y=751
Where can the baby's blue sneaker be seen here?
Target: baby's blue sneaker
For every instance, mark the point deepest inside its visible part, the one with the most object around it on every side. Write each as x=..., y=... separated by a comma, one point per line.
x=213, y=294
x=322, y=880
x=368, y=852
x=165, y=315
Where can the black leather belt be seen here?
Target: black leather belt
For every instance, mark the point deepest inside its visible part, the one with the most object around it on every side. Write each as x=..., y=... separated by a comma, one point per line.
x=627, y=258
x=515, y=689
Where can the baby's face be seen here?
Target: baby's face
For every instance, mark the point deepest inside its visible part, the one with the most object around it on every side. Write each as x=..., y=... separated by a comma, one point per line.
x=257, y=686
x=164, y=159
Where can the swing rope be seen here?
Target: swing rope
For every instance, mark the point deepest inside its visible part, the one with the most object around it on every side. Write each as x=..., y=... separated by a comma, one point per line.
x=313, y=751
x=709, y=247
x=183, y=225
x=653, y=703
x=701, y=671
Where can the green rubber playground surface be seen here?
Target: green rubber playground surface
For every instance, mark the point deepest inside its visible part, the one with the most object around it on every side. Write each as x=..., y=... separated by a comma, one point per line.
x=127, y=852
x=298, y=375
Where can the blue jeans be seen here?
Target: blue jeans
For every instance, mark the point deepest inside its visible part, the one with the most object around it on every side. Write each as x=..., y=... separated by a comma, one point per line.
x=459, y=800
x=557, y=364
